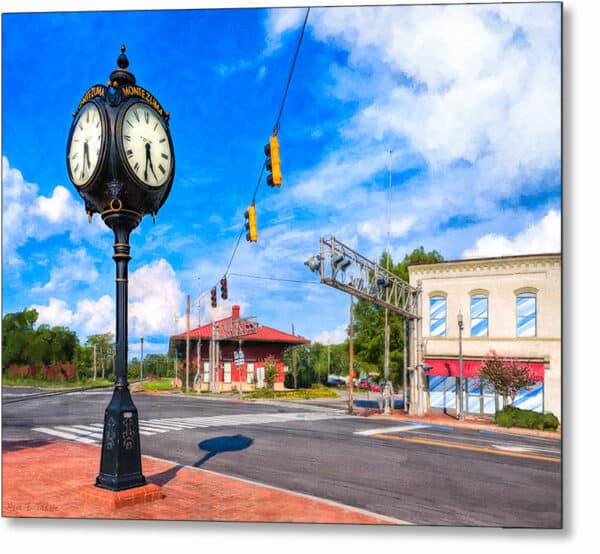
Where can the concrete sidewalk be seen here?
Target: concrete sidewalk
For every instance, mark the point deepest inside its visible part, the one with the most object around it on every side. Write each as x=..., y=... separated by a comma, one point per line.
x=447, y=420
x=52, y=479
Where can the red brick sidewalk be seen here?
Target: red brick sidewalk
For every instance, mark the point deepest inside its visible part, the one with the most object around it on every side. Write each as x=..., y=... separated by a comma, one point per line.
x=44, y=478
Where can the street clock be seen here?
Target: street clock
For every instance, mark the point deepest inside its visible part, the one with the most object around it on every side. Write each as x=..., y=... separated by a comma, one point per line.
x=120, y=153
x=120, y=159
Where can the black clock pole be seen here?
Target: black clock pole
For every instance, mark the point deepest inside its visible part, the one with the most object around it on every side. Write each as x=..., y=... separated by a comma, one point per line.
x=122, y=198
x=120, y=461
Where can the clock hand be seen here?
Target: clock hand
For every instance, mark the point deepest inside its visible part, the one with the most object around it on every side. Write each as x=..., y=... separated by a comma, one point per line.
x=152, y=169
x=86, y=154
x=147, y=159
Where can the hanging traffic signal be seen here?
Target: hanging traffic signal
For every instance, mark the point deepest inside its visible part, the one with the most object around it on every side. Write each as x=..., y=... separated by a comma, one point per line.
x=213, y=297
x=273, y=162
x=224, y=288
x=250, y=215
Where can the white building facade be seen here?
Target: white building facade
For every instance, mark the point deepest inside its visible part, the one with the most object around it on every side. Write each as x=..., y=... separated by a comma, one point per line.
x=510, y=305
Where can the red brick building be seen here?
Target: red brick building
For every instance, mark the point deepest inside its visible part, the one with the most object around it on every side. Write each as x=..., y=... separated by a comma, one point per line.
x=258, y=343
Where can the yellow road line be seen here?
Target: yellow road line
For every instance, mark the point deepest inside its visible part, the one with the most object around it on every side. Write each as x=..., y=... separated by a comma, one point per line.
x=469, y=447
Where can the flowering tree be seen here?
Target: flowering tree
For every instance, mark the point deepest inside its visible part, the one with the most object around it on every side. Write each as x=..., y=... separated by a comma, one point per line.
x=270, y=371
x=505, y=375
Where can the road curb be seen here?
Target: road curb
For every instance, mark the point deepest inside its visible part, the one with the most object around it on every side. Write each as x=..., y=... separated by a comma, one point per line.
x=468, y=424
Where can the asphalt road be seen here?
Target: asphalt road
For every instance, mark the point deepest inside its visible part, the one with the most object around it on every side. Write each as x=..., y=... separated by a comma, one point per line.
x=426, y=475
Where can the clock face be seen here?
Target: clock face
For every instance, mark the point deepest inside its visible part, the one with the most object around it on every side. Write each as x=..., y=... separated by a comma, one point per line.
x=145, y=145
x=86, y=145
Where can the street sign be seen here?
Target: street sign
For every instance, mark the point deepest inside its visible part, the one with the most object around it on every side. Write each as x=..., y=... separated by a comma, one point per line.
x=238, y=357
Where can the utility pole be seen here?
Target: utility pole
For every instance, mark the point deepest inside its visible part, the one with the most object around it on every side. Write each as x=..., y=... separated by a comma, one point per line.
x=419, y=350
x=142, y=361
x=294, y=367
x=94, y=362
x=187, y=344
x=240, y=366
x=213, y=358
x=405, y=367
x=386, y=357
x=198, y=377
x=351, y=356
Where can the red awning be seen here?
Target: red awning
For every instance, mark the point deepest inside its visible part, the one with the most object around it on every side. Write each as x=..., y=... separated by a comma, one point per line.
x=449, y=368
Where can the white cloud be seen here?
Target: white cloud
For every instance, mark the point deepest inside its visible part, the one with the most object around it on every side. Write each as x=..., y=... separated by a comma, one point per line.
x=71, y=265
x=339, y=180
x=55, y=313
x=477, y=92
x=96, y=316
x=89, y=318
x=539, y=238
x=155, y=301
x=154, y=298
x=279, y=22
x=28, y=215
x=377, y=229
x=336, y=336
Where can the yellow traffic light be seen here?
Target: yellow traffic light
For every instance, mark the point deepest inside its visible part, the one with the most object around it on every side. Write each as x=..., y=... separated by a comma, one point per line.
x=273, y=162
x=252, y=234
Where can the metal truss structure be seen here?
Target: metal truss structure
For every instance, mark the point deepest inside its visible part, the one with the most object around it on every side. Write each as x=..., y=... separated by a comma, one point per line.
x=343, y=268
x=236, y=328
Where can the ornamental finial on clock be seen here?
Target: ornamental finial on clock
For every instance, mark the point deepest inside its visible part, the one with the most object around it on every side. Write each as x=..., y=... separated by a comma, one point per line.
x=122, y=60
x=122, y=76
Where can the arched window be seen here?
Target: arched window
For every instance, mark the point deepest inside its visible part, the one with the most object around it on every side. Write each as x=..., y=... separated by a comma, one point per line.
x=437, y=316
x=479, y=315
x=526, y=314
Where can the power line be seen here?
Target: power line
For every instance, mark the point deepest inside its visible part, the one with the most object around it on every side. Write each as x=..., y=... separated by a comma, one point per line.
x=274, y=279
x=234, y=251
x=287, y=86
x=276, y=128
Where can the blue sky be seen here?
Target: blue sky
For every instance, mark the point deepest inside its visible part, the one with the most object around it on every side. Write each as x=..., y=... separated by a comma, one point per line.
x=467, y=98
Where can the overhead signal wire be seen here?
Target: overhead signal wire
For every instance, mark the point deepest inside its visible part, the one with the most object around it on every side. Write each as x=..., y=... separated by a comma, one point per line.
x=275, y=130
x=287, y=86
x=273, y=278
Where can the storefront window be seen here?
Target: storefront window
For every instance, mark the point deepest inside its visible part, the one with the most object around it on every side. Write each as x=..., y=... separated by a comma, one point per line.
x=526, y=314
x=479, y=315
x=437, y=316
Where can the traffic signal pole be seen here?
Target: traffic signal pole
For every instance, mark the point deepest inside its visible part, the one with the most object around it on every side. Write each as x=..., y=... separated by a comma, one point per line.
x=341, y=267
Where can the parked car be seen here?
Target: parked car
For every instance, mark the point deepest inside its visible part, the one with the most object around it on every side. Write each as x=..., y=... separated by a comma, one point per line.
x=363, y=384
x=376, y=387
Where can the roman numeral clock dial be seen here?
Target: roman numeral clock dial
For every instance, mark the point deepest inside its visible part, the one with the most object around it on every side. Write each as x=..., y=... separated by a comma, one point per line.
x=84, y=152
x=145, y=144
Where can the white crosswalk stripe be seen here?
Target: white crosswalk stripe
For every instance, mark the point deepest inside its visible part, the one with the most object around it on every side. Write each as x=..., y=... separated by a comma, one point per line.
x=92, y=432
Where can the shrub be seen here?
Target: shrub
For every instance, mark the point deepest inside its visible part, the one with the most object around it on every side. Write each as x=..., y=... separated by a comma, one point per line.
x=504, y=419
x=528, y=419
x=550, y=421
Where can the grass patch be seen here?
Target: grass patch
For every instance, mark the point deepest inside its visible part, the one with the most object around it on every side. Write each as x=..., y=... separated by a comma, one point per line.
x=33, y=382
x=159, y=384
x=302, y=394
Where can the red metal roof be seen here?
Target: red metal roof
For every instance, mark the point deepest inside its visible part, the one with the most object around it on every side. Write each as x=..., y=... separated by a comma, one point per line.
x=264, y=333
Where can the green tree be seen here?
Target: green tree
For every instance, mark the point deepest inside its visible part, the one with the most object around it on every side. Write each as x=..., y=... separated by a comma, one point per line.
x=270, y=372
x=369, y=322
x=17, y=336
x=104, y=351
x=22, y=344
x=84, y=358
